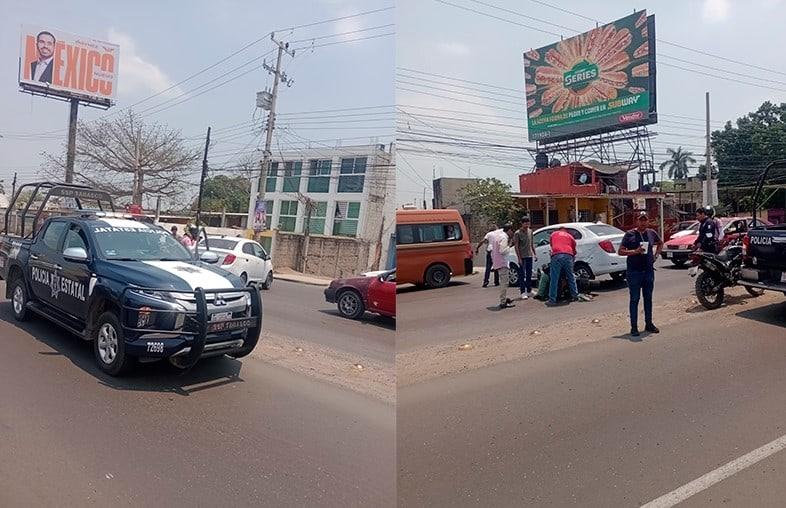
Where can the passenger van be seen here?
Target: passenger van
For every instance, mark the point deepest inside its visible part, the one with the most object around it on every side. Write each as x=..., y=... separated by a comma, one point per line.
x=431, y=247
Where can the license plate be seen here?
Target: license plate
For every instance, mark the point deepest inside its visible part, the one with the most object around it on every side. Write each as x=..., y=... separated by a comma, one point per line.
x=669, y=254
x=235, y=324
x=220, y=316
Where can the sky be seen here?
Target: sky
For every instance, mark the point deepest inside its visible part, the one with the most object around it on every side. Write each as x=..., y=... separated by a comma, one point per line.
x=450, y=42
x=342, y=64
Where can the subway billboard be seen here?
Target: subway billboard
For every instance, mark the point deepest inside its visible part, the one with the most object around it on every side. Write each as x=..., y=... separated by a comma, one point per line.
x=599, y=81
x=53, y=62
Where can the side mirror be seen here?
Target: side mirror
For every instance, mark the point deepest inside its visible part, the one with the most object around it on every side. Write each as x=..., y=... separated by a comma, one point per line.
x=209, y=257
x=75, y=254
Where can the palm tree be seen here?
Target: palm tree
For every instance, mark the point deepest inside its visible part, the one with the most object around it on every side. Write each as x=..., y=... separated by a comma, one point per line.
x=678, y=164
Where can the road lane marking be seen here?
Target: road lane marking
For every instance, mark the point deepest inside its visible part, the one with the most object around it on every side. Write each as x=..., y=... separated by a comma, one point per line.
x=708, y=480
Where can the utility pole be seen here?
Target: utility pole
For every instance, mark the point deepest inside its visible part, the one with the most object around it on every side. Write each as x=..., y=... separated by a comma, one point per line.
x=709, y=184
x=310, y=205
x=278, y=76
x=13, y=185
x=71, y=153
x=199, y=199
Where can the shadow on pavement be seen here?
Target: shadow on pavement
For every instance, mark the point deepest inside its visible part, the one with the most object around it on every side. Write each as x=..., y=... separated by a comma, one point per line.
x=414, y=289
x=727, y=301
x=367, y=319
x=672, y=266
x=773, y=314
x=151, y=377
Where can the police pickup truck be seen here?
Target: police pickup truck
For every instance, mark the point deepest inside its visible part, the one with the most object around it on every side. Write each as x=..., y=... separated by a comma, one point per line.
x=764, y=247
x=125, y=284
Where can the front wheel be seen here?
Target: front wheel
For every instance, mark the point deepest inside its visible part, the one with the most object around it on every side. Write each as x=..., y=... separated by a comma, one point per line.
x=437, y=276
x=708, y=297
x=350, y=305
x=268, y=281
x=754, y=291
x=109, y=345
x=19, y=300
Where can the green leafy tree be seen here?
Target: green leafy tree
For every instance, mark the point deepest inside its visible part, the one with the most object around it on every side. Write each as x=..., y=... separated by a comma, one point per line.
x=678, y=162
x=222, y=191
x=489, y=199
x=742, y=150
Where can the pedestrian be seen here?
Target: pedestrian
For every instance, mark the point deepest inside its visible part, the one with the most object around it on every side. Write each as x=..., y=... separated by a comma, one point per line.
x=488, y=241
x=642, y=247
x=174, y=232
x=525, y=253
x=500, y=250
x=563, y=255
x=709, y=238
x=189, y=238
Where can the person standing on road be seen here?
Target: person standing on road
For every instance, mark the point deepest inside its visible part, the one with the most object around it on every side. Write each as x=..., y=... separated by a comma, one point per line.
x=709, y=231
x=642, y=247
x=563, y=254
x=489, y=240
x=525, y=253
x=500, y=250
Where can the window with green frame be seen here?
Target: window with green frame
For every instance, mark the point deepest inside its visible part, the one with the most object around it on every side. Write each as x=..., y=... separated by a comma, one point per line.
x=345, y=219
x=319, y=175
x=318, y=214
x=268, y=213
x=292, y=171
x=353, y=174
x=272, y=176
x=287, y=216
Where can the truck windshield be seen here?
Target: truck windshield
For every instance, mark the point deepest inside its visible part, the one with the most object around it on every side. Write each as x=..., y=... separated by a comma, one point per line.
x=140, y=243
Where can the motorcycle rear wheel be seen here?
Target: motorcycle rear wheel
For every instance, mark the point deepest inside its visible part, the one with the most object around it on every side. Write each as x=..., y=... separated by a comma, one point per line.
x=754, y=291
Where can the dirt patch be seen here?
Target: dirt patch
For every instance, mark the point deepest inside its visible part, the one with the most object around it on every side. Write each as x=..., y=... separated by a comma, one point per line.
x=358, y=374
x=458, y=356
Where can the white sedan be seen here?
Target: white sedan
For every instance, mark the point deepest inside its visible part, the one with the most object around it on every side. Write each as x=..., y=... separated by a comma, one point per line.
x=244, y=258
x=596, y=250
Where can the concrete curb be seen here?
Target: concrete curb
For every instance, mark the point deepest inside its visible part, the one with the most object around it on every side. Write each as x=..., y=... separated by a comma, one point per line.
x=301, y=279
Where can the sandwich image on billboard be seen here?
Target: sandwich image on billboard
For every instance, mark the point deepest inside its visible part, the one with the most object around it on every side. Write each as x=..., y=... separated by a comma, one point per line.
x=598, y=81
x=67, y=65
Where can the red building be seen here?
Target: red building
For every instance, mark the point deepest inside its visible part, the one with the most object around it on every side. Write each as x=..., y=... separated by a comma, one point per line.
x=575, y=179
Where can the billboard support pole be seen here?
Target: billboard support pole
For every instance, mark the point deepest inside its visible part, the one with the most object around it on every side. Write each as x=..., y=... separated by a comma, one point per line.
x=71, y=153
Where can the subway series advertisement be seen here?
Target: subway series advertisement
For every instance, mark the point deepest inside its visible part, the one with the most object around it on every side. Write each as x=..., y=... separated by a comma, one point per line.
x=599, y=81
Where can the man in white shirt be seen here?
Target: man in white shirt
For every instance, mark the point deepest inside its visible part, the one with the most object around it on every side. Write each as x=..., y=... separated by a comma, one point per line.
x=41, y=69
x=489, y=241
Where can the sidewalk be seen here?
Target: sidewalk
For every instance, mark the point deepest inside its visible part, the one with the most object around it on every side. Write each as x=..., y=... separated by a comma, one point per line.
x=293, y=276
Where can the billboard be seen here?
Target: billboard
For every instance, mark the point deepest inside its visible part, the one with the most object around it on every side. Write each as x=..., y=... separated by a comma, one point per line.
x=58, y=63
x=598, y=81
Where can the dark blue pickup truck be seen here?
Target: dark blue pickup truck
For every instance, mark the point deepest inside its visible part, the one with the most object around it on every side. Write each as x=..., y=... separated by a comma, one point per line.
x=125, y=284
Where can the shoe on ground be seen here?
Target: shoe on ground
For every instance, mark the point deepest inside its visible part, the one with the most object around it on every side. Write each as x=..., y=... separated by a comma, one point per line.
x=652, y=328
x=524, y=296
x=574, y=298
x=485, y=284
x=506, y=305
x=496, y=284
x=549, y=303
x=634, y=332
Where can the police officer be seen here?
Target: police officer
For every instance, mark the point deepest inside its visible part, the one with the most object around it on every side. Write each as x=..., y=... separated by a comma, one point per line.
x=709, y=239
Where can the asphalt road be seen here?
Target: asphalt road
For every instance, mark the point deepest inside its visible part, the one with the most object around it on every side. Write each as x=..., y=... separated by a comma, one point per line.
x=464, y=309
x=608, y=423
x=229, y=433
x=300, y=311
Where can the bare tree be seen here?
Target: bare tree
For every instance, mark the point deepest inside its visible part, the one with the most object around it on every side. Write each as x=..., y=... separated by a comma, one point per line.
x=131, y=159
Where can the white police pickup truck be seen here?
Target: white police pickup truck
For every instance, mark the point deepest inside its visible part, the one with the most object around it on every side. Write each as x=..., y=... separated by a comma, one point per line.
x=125, y=284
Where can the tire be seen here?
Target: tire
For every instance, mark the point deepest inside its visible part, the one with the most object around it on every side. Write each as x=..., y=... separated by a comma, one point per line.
x=350, y=304
x=618, y=276
x=19, y=300
x=268, y=280
x=582, y=271
x=513, y=276
x=679, y=263
x=437, y=276
x=754, y=291
x=703, y=281
x=109, y=345
x=244, y=278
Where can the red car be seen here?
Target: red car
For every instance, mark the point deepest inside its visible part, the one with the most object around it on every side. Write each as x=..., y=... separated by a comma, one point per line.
x=678, y=249
x=355, y=296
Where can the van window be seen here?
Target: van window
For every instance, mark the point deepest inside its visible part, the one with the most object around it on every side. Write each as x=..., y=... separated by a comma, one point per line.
x=427, y=233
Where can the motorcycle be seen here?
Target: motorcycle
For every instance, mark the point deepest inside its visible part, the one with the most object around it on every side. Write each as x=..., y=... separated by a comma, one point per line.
x=716, y=272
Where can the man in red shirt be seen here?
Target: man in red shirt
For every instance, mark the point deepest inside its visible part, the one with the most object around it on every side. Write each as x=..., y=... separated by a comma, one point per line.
x=563, y=253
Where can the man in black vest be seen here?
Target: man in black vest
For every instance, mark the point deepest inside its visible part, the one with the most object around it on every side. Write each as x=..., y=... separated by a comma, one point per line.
x=41, y=69
x=709, y=239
